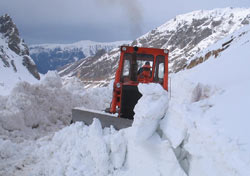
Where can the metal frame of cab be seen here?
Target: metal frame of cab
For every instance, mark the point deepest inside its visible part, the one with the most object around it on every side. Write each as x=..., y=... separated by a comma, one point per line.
x=117, y=90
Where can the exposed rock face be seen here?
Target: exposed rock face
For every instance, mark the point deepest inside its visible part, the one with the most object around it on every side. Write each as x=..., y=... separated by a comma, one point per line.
x=185, y=36
x=29, y=64
x=10, y=34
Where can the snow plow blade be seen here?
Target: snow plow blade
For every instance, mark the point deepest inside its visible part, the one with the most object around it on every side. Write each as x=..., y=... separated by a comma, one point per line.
x=106, y=119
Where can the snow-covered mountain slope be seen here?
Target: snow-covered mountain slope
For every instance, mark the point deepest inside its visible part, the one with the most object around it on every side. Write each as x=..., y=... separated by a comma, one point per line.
x=53, y=56
x=185, y=35
x=15, y=62
x=204, y=131
x=214, y=98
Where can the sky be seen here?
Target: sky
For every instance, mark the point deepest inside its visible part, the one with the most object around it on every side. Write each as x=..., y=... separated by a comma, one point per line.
x=67, y=21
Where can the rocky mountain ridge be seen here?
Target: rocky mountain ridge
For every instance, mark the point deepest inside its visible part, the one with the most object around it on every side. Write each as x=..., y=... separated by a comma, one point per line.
x=185, y=36
x=15, y=63
x=190, y=33
x=53, y=56
x=11, y=41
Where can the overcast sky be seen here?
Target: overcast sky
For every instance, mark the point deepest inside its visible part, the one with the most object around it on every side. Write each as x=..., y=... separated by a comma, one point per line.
x=66, y=21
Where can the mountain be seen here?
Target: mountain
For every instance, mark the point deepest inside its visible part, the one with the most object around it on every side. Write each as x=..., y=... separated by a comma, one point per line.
x=15, y=62
x=53, y=56
x=184, y=36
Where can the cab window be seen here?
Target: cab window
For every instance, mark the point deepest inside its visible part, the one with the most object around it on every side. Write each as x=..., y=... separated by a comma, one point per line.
x=126, y=68
x=159, y=69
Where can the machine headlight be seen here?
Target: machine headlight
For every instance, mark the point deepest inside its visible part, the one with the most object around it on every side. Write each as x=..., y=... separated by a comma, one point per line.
x=124, y=48
x=166, y=51
x=118, y=85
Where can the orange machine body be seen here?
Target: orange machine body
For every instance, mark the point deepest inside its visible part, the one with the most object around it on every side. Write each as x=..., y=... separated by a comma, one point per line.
x=132, y=70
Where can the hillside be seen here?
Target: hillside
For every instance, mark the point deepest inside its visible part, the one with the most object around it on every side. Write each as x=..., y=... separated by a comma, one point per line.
x=15, y=62
x=184, y=36
x=53, y=56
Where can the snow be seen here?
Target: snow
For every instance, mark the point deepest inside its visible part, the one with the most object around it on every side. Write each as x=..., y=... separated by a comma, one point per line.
x=150, y=108
x=200, y=128
x=148, y=154
x=34, y=110
x=36, y=107
x=211, y=117
x=220, y=22
x=80, y=44
x=90, y=150
x=220, y=13
x=8, y=77
x=233, y=86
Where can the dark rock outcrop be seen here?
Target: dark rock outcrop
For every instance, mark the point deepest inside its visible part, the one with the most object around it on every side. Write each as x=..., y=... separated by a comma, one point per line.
x=10, y=33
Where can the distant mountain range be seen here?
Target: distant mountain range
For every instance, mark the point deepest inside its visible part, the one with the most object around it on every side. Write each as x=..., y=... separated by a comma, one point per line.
x=185, y=36
x=53, y=56
x=15, y=62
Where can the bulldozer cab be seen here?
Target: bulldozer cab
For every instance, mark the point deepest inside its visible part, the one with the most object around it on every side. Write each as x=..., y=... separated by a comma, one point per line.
x=137, y=65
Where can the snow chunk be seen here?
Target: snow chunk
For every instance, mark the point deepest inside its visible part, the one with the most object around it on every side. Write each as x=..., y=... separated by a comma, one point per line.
x=153, y=103
x=151, y=157
x=75, y=150
x=52, y=79
x=97, y=147
x=118, y=146
x=143, y=137
x=150, y=108
x=31, y=111
x=174, y=126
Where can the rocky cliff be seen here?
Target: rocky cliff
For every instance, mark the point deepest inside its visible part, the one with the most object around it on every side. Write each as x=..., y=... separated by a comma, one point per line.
x=12, y=41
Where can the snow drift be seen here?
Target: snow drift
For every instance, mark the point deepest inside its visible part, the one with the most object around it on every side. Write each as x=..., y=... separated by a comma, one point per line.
x=34, y=110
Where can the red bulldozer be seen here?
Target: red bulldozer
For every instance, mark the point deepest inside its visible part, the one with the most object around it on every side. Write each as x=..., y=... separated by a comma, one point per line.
x=137, y=65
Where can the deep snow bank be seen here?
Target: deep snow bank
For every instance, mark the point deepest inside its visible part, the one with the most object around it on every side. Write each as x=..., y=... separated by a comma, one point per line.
x=34, y=110
x=208, y=112
x=150, y=108
x=147, y=152
x=91, y=150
